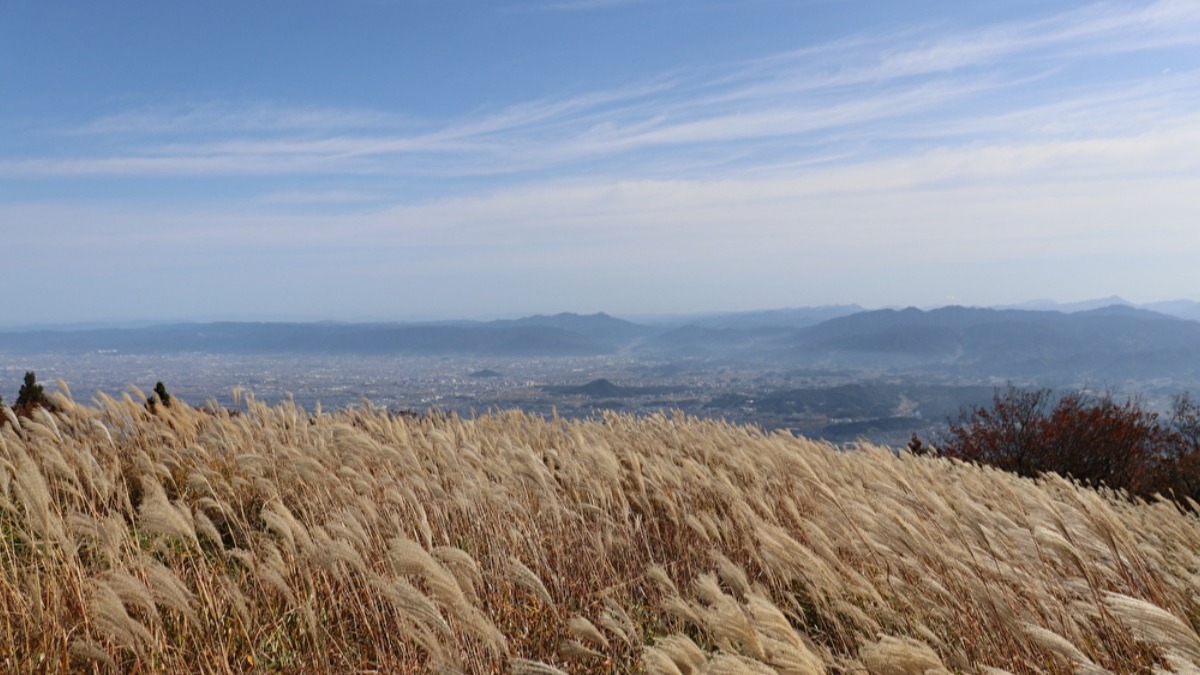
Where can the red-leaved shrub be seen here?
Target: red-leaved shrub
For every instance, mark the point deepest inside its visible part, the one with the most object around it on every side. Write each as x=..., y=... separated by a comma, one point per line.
x=1095, y=440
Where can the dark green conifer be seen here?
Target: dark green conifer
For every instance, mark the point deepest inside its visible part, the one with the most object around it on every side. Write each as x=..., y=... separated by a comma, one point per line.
x=161, y=392
x=31, y=394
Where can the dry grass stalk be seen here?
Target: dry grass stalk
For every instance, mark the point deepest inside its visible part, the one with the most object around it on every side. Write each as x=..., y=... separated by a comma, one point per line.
x=186, y=540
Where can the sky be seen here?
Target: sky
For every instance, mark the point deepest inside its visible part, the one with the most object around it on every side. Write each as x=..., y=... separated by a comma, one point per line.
x=428, y=159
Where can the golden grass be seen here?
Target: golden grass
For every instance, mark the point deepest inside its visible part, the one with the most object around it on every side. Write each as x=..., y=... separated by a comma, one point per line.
x=181, y=540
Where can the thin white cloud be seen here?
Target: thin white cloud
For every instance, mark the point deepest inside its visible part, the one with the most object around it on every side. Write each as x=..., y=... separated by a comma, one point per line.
x=944, y=218
x=930, y=157
x=1103, y=28
x=842, y=99
x=189, y=164
x=235, y=117
x=1049, y=195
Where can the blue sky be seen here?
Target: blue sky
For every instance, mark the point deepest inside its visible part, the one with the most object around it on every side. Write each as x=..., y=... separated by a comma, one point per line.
x=397, y=159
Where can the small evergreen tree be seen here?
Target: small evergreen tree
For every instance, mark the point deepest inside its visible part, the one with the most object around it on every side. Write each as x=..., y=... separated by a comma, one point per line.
x=159, y=395
x=31, y=395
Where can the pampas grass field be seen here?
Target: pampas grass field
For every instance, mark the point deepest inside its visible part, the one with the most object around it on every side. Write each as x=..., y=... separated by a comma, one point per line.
x=274, y=539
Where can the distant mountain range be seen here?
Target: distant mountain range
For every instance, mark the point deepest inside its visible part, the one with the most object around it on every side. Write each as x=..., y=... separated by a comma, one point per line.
x=1184, y=309
x=795, y=317
x=1110, y=342
x=1116, y=342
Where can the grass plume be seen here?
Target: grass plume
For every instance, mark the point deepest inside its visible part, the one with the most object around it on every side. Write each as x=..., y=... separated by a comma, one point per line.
x=181, y=540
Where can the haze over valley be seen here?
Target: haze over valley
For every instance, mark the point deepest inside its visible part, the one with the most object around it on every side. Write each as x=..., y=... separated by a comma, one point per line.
x=836, y=372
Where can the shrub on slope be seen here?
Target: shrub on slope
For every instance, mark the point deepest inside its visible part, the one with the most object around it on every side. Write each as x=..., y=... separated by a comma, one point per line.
x=185, y=541
x=1095, y=440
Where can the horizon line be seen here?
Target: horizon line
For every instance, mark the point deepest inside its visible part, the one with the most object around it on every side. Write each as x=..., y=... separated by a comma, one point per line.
x=1038, y=304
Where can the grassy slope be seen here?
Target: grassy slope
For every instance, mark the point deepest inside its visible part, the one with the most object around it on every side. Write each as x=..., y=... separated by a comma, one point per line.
x=278, y=540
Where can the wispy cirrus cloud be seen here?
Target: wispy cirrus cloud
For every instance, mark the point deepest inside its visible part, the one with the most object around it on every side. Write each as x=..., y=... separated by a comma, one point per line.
x=811, y=227
x=233, y=116
x=848, y=99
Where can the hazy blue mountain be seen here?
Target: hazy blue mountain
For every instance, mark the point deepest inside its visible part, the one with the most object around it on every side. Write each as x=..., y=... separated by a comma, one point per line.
x=1108, y=343
x=1130, y=311
x=1044, y=305
x=1183, y=309
x=797, y=317
x=599, y=327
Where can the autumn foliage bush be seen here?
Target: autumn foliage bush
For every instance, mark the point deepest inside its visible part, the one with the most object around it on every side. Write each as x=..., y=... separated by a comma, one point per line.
x=1096, y=440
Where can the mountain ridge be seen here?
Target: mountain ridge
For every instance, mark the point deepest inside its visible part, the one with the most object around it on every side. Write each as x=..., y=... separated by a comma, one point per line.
x=1107, y=343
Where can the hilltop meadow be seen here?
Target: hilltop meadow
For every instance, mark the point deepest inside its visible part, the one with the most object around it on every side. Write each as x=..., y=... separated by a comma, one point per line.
x=140, y=537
